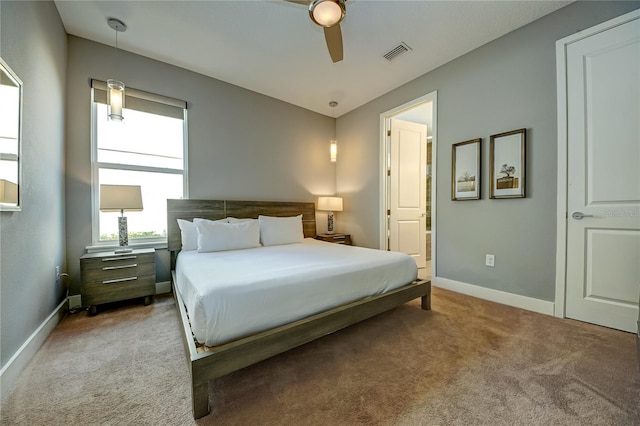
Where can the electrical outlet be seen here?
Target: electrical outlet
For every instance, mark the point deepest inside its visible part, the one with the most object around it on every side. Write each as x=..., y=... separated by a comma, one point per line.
x=75, y=301
x=57, y=273
x=489, y=260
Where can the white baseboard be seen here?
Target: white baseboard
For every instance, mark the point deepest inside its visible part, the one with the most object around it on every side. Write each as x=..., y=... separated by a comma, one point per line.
x=10, y=372
x=498, y=296
x=163, y=287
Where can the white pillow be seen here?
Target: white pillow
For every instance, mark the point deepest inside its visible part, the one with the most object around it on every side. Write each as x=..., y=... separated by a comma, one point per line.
x=190, y=234
x=221, y=236
x=280, y=230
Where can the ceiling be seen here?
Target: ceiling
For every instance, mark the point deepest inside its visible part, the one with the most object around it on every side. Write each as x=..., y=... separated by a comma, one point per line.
x=273, y=48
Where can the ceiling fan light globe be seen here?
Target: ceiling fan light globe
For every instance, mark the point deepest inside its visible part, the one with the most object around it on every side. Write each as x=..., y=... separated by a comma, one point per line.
x=327, y=13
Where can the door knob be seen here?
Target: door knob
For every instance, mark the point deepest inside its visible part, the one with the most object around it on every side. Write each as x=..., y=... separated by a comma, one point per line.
x=580, y=215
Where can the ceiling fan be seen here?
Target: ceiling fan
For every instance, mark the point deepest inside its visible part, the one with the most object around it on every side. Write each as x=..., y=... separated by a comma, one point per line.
x=328, y=14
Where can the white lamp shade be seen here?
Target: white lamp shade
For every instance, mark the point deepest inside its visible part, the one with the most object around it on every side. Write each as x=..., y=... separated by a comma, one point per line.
x=114, y=198
x=330, y=204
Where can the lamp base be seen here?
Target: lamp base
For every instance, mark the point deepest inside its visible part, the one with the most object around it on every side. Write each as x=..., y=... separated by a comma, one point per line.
x=330, y=230
x=123, y=250
x=123, y=235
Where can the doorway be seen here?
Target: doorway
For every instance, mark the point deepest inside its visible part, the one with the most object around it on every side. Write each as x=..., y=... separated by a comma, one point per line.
x=404, y=235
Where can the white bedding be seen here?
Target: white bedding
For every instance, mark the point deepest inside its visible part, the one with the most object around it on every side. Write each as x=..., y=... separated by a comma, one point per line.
x=233, y=294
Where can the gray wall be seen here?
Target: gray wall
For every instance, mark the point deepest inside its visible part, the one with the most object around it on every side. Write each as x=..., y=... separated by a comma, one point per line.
x=32, y=241
x=504, y=85
x=242, y=145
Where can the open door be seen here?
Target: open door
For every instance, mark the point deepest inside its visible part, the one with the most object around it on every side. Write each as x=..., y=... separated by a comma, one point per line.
x=407, y=187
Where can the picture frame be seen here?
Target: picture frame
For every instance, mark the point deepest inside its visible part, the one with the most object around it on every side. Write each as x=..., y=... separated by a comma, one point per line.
x=465, y=170
x=507, y=164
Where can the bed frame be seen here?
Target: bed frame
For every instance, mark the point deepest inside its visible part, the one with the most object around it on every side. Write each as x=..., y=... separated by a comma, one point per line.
x=227, y=358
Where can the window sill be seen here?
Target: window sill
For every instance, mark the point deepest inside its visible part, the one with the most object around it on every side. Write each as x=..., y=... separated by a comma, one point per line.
x=136, y=245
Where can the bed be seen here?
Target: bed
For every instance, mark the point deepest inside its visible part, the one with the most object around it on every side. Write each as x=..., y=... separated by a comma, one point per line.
x=215, y=353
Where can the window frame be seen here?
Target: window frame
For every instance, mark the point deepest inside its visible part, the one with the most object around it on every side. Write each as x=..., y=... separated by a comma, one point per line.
x=152, y=242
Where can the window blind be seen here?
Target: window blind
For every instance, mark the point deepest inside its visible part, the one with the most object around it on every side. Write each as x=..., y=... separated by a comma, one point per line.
x=142, y=101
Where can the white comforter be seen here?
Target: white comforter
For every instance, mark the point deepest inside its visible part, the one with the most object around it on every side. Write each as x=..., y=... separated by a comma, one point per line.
x=232, y=294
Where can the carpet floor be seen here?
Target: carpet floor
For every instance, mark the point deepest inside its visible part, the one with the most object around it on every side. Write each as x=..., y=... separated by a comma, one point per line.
x=466, y=362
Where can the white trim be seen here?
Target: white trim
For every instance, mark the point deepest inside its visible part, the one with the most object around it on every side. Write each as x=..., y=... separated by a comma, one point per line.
x=382, y=199
x=497, y=296
x=185, y=157
x=385, y=119
x=434, y=180
x=160, y=244
x=128, y=167
x=561, y=204
x=561, y=200
x=12, y=369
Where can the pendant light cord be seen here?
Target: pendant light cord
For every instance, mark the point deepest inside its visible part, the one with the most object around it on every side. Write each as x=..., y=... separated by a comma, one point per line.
x=117, y=61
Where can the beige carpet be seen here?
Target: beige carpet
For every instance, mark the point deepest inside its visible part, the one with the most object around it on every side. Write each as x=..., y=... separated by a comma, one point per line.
x=466, y=362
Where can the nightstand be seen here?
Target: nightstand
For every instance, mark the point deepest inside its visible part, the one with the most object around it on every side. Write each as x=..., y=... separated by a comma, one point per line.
x=110, y=277
x=335, y=238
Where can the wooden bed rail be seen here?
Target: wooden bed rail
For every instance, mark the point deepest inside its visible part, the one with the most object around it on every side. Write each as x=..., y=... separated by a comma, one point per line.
x=230, y=357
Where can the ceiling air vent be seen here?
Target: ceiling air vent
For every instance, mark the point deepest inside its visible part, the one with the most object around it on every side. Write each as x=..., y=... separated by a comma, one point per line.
x=397, y=51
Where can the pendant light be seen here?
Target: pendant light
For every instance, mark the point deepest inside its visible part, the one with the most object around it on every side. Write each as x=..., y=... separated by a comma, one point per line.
x=115, y=88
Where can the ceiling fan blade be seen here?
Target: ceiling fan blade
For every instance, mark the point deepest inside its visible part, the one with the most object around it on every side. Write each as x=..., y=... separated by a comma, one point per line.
x=333, y=37
x=302, y=2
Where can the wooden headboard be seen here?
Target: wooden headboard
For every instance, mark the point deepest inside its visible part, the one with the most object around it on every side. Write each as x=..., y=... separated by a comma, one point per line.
x=219, y=209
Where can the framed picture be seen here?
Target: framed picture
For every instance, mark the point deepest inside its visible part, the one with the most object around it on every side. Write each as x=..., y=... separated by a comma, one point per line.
x=465, y=170
x=507, y=164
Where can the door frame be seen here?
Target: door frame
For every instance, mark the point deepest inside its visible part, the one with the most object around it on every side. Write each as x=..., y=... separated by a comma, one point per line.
x=385, y=119
x=563, y=146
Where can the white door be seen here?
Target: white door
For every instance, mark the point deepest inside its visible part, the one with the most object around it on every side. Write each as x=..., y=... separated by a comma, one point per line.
x=603, y=177
x=407, y=192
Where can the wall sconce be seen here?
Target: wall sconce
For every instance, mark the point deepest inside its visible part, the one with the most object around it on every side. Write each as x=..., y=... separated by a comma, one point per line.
x=114, y=198
x=333, y=151
x=330, y=204
x=115, y=88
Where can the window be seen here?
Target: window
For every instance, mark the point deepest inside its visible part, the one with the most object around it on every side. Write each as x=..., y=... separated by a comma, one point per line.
x=10, y=107
x=148, y=149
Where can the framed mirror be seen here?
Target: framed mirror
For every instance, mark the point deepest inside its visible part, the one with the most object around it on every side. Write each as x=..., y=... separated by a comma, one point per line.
x=10, y=135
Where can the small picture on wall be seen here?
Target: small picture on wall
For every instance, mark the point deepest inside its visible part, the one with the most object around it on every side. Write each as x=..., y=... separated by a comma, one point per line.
x=465, y=170
x=507, y=164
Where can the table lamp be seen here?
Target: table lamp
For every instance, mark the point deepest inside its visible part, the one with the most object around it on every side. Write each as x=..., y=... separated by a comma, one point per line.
x=121, y=198
x=330, y=204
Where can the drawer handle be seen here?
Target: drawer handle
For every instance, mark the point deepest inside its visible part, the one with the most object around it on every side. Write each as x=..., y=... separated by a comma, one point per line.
x=109, y=259
x=111, y=268
x=120, y=280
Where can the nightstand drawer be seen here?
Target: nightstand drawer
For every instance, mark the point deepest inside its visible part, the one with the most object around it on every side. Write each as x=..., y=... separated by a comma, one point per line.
x=119, y=289
x=117, y=261
x=111, y=272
